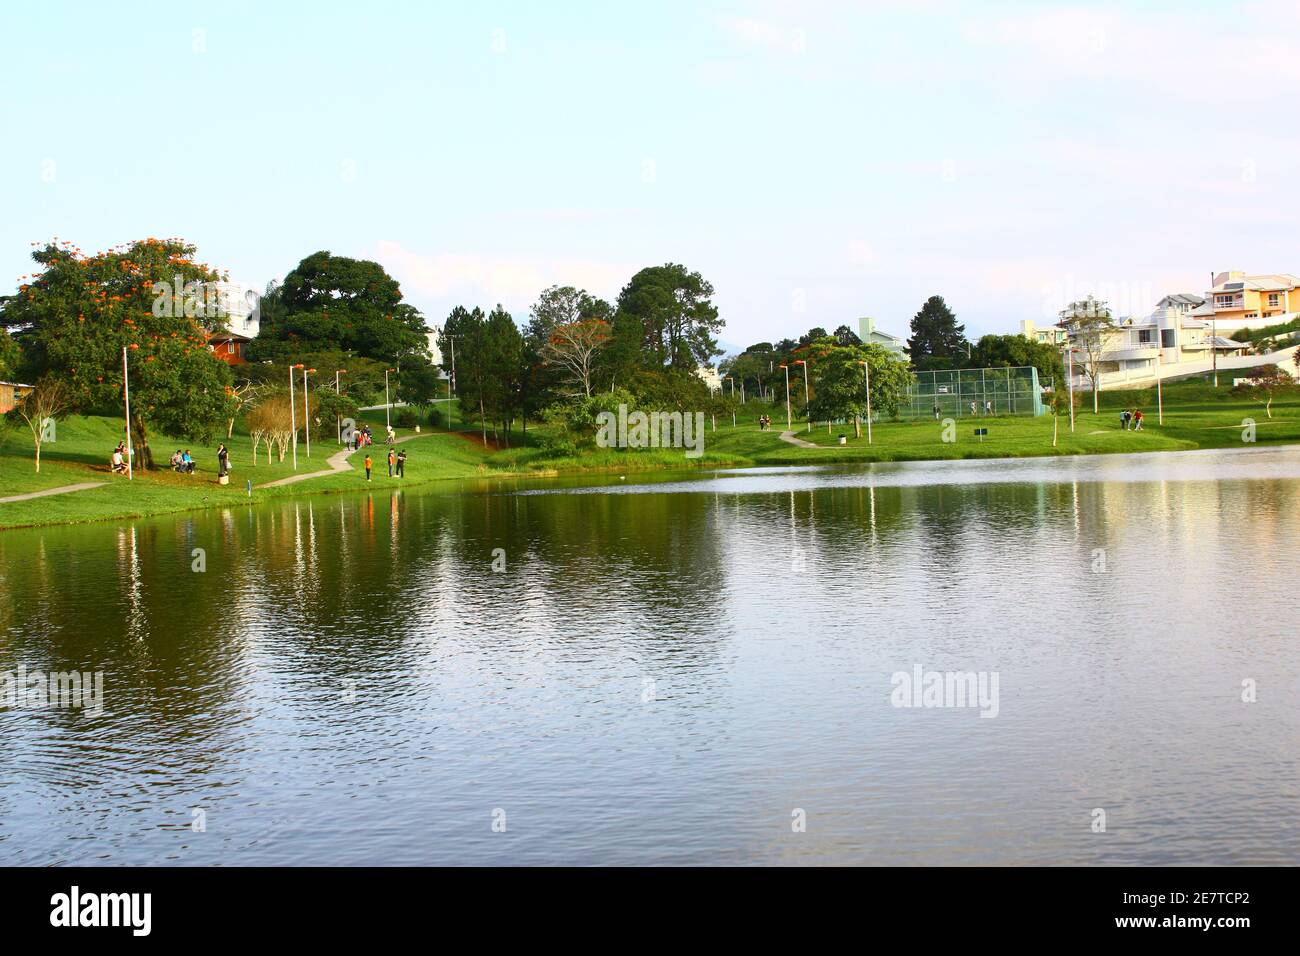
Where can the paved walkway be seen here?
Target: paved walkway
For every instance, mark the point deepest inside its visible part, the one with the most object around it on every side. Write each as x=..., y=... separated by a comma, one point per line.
x=789, y=436
x=61, y=490
x=337, y=462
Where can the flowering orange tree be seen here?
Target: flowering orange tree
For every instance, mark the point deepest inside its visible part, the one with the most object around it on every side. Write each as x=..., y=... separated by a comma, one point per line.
x=74, y=317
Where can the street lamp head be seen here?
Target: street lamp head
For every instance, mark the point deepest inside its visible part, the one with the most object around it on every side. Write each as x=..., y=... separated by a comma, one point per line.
x=800, y=362
x=311, y=371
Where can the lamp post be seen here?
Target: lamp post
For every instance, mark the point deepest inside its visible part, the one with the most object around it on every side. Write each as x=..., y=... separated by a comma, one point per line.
x=306, y=410
x=338, y=419
x=387, y=404
x=788, y=424
x=866, y=379
x=1069, y=378
x=1160, y=398
x=293, y=416
x=126, y=394
x=805, y=390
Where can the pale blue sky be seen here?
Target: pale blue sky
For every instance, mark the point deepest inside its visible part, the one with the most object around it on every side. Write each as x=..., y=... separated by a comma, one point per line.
x=815, y=161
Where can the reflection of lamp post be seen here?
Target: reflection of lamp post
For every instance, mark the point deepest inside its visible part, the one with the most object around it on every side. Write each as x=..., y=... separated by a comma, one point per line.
x=806, y=400
x=338, y=419
x=866, y=378
x=293, y=416
x=306, y=410
x=787, y=397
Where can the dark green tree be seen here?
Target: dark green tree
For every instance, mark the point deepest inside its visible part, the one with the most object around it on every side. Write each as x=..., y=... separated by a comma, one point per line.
x=678, y=318
x=333, y=302
x=936, y=334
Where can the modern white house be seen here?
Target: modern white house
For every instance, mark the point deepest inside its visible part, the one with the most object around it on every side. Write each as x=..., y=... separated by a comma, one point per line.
x=1188, y=334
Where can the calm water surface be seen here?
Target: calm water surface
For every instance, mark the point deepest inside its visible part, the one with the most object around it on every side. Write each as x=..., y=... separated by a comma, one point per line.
x=668, y=667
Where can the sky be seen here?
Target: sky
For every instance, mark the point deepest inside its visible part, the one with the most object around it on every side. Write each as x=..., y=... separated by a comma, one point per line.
x=816, y=162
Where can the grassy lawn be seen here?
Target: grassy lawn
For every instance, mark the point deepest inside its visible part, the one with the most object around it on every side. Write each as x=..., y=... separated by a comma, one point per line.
x=1196, y=416
x=84, y=444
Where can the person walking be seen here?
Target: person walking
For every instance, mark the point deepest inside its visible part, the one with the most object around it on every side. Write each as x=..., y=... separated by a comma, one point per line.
x=1137, y=419
x=401, y=464
x=392, y=461
x=988, y=408
x=369, y=464
x=223, y=460
x=936, y=411
x=1123, y=419
x=973, y=410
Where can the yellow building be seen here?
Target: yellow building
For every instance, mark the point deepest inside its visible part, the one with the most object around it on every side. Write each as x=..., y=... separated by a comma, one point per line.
x=1238, y=300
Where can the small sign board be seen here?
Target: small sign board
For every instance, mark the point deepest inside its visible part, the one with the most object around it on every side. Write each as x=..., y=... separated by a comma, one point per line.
x=980, y=433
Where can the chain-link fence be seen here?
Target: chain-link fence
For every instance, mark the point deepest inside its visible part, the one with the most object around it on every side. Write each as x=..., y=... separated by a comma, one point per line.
x=973, y=393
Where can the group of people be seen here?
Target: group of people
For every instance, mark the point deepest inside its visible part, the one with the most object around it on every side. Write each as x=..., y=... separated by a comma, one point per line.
x=363, y=437
x=974, y=409
x=183, y=461
x=764, y=422
x=396, y=464
x=1130, y=419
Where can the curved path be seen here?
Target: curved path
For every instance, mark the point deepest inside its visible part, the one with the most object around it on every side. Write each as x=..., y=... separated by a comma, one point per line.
x=61, y=490
x=337, y=462
x=789, y=436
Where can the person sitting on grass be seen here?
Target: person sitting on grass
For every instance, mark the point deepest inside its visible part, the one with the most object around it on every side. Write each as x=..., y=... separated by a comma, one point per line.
x=176, y=460
x=187, y=463
x=118, y=463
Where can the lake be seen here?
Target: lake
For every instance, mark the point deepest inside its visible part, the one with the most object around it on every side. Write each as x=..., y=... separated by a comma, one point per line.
x=702, y=668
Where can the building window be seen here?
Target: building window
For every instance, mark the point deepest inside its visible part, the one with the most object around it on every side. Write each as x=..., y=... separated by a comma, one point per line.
x=1274, y=300
x=1146, y=336
x=1167, y=338
x=1223, y=301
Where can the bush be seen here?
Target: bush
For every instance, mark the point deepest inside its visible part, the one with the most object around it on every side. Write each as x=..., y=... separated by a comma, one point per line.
x=407, y=418
x=435, y=418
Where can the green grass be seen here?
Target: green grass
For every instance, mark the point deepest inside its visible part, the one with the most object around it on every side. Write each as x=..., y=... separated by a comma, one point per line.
x=84, y=445
x=1196, y=416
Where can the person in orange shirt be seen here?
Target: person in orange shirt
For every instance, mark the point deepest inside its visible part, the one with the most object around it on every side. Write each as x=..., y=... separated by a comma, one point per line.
x=369, y=464
x=392, y=460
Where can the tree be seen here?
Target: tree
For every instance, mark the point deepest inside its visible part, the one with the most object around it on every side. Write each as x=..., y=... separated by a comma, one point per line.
x=1090, y=326
x=243, y=396
x=841, y=391
x=10, y=354
x=330, y=302
x=1263, y=383
x=936, y=334
x=152, y=298
x=679, y=320
x=846, y=336
x=48, y=401
x=572, y=348
x=1015, y=351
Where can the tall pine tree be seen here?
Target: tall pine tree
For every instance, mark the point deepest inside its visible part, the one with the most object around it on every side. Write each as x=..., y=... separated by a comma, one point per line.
x=936, y=334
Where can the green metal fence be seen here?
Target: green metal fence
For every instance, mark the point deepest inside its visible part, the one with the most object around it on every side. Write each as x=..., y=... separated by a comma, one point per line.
x=973, y=393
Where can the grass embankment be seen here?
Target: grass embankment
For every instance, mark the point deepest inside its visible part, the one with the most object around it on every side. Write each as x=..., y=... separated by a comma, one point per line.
x=1196, y=416
x=84, y=445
